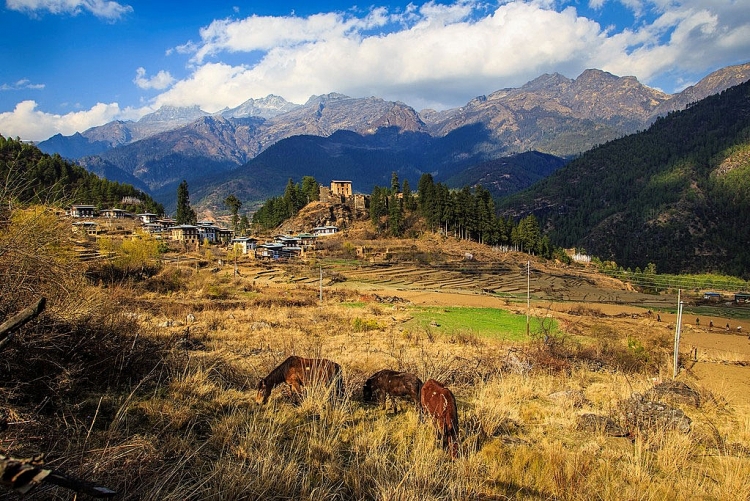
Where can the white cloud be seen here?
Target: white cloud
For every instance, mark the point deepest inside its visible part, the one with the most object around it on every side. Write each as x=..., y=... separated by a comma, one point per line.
x=443, y=55
x=100, y=8
x=160, y=81
x=28, y=123
x=24, y=83
x=434, y=55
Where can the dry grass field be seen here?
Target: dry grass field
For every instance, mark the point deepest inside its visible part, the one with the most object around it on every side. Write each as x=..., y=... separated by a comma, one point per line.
x=173, y=417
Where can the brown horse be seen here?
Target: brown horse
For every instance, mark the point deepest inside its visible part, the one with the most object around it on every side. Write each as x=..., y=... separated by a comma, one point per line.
x=439, y=402
x=298, y=372
x=388, y=383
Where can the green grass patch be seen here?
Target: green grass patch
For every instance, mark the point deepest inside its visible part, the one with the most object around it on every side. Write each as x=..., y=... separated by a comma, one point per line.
x=483, y=322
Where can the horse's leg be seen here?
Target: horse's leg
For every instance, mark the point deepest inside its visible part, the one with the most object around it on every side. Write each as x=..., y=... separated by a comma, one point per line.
x=296, y=389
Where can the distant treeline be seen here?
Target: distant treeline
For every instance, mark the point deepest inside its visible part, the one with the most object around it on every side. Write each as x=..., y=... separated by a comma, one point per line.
x=30, y=176
x=470, y=214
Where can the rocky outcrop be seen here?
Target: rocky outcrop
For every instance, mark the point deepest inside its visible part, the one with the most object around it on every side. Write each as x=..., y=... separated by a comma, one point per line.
x=674, y=393
x=647, y=415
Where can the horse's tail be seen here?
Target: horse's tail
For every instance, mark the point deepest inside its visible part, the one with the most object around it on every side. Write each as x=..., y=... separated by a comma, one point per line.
x=418, y=396
x=339, y=382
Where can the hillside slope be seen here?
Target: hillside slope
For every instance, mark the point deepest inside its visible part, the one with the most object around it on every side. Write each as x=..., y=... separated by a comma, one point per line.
x=31, y=176
x=676, y=195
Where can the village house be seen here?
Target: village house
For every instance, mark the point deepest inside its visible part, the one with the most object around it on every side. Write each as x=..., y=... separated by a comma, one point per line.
x=147, y=217
x=244, y=244
x=321, y=231
x=307, y=241
x=166, y=222
x=87, y=227
x=712, y=296
x=268, y=251
x=153, y=228
x=115, y=213
x=79, y=210
x=224, y=235
x=207, y=232
x=185, y=233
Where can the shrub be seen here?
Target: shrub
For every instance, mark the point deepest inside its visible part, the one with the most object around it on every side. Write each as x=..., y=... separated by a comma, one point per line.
x=364, y=325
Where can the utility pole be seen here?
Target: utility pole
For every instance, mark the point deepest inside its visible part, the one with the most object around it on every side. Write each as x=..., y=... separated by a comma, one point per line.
x=528, y=294
x=677, y=334
x=321, y=285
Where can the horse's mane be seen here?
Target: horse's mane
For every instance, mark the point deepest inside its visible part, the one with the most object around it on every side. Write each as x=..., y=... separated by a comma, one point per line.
x=278, y=375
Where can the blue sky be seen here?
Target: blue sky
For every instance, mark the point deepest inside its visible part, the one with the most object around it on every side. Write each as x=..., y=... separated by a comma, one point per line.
x=69, y=65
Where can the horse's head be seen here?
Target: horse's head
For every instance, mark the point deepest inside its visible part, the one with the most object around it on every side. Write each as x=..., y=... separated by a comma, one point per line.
x=264, y=391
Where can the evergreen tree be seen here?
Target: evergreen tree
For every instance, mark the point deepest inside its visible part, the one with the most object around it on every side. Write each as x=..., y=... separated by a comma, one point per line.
x=529, y=234
x=409, y=202
x=234, y=205
x=291, y=199
x=395, y=216
x=395, y=186
x=310, y=189
x=185, y=213
x=378, y=206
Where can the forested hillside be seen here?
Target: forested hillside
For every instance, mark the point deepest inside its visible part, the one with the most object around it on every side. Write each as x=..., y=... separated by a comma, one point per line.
x=30, y=176
x=676, y=195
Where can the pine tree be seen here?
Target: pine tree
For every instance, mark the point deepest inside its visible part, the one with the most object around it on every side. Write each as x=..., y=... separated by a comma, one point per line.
x=395, y=216
x=378, y=206
x=185, y=213
x=395, y=186
x=310, y=189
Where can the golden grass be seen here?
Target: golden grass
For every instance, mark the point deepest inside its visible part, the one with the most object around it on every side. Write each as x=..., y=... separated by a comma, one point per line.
x=192, y=431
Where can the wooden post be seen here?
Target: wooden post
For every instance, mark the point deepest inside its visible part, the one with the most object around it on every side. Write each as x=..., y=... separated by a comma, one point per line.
x=528, y=295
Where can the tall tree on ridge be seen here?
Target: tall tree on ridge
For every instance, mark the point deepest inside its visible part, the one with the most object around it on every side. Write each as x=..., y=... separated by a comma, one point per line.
x=185, y=213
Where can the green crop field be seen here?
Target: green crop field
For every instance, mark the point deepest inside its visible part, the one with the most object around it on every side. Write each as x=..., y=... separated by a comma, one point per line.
x=484, y=322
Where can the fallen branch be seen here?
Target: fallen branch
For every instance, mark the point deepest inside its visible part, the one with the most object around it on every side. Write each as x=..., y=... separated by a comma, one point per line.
x=7, y=328
x=22, y=475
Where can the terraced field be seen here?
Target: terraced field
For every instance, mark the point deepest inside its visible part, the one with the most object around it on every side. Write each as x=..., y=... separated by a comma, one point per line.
x=498, y=280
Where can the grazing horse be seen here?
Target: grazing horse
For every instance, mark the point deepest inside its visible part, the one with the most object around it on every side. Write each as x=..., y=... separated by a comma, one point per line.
x=439, y=402
x=388, y=383
x=298, y=372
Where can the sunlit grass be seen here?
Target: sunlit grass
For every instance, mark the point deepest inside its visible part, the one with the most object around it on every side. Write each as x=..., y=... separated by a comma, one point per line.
x=484, y=322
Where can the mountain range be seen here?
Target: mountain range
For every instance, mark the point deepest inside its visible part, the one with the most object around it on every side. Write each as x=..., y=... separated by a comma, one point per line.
x=253, y=149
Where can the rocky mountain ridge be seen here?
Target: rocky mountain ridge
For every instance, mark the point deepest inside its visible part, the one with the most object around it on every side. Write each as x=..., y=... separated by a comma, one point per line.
x=522, y=118
x=551, y=114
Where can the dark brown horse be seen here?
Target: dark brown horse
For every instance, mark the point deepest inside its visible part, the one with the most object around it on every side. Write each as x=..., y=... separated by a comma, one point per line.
x=439, y=402
x=298, y=372
x=388, y=383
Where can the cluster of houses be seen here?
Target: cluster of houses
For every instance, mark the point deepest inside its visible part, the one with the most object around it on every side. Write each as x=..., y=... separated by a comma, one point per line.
x=282, y=246
x=739, y=297
x=161, y=227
